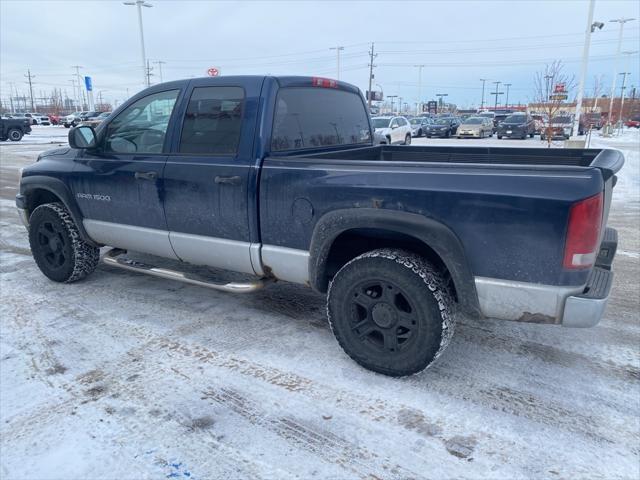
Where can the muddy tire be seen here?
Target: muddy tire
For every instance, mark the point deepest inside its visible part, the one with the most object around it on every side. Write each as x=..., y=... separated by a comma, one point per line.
x=57, y=247
x=391, y=311
x=15, y=134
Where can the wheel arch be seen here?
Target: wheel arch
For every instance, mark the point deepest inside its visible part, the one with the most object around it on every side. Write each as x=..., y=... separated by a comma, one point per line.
x=341, y=235
x=37, y=190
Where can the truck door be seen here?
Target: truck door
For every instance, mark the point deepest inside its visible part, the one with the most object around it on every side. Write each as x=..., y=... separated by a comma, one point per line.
x=119, y=187
x=207, y=174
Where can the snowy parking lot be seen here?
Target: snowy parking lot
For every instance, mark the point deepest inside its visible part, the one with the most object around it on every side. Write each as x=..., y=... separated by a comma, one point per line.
x=127, y=376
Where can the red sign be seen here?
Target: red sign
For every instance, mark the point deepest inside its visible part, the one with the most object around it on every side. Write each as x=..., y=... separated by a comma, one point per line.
x=213, y=72
x=559, y=88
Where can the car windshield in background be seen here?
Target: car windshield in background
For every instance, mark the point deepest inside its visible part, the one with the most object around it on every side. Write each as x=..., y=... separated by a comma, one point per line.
x=381, y=122
x=416, y=121
x=561, y=120
x=473, y=121
x=443, y=121
x=487, y=115
x=515, y=119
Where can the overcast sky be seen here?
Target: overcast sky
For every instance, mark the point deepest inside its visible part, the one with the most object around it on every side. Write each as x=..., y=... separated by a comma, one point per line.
x=459, y=42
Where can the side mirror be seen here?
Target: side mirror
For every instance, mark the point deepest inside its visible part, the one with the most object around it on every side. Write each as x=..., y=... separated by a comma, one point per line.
x=83, y=137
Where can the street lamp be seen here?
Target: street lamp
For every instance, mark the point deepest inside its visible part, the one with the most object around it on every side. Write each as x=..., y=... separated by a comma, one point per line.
x=338, y=50
x=440, y=101
x=392, y=97
x=140, y=4
x=621, y=21
x=419, y=103
x=624, y=79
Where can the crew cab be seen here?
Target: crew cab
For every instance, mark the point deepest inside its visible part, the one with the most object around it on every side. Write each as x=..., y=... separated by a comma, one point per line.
x=278, y=178
x=14, y=128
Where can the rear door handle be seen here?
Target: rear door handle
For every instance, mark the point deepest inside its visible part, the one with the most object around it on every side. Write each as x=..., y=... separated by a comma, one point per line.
x=235, y=180
x=146, y=175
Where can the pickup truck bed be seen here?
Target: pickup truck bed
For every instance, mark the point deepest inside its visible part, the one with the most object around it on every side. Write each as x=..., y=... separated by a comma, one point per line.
x=279, y=177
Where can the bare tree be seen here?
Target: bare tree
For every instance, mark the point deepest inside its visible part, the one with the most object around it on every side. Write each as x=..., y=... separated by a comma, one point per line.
x=597, y=90
x=552, y=86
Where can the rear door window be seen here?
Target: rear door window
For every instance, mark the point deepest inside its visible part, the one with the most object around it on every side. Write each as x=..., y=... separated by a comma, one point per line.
x=213, y=121
x=318, y=117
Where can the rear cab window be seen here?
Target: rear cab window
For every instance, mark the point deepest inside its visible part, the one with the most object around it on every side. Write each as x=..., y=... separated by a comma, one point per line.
x=314, y=117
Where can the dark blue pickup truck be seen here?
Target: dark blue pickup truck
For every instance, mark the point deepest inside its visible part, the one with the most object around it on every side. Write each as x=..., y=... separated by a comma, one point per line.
x=279, y=178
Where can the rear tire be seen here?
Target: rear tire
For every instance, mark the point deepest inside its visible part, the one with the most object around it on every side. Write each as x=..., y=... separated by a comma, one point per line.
x=499, y=137
x=15, y=134
x=57, y=247
x=391, y=311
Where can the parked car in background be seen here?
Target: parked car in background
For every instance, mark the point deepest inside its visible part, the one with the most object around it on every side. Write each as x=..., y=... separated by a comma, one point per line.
x=539, y=121
x=518, y=125
x=395, y=129
x=475, y=127
x=419, y=126
x=559, y=127
x=95, y=121
x=442, y=127
x=38, y=118
x=490, y=115
x=89, y=115
x=633, y=122
x=14, y=128
x=54, y=119
x=73, y=119
x=589, y=121
x=498, y=118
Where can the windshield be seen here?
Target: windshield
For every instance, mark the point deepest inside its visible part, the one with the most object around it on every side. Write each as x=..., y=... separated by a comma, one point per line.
x=442, y=121
x=473, y=121
x=381, y=122
x=487, y=115
x=561, y=120
x=416, y=121
x=515, y=119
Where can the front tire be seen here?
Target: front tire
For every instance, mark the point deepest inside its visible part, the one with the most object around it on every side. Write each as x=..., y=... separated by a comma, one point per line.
x=59, y=251
x=391, y=311
x=407, y=139
x=15, y=134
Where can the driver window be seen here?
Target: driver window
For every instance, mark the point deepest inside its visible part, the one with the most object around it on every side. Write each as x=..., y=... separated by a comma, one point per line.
x=142, y=126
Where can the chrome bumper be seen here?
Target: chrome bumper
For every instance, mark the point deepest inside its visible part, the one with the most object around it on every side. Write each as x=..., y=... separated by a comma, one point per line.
x=586, y=309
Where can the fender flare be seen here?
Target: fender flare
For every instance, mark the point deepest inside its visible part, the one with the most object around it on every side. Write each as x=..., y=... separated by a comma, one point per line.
x=59, y=189
x=437, y=236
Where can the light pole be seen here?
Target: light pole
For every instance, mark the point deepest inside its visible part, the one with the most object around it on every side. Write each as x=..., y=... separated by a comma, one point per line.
x=140, y=4
x=419, y=102
x=338, y=49
x=399, y=105
x=440, y=101
x=483, y=80
x=621, y=21
x=591, y=27
x=506, y=101
x=392, y=97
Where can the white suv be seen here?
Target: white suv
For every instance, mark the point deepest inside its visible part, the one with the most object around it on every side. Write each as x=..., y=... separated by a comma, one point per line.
x=38, y=118
x=395, y=129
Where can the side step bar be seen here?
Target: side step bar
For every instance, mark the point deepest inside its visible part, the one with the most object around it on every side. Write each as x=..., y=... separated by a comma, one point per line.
x=111, y=258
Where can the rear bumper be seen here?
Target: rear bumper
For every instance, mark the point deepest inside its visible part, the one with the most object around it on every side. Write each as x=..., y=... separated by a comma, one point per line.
x=587, y=309
x=581, y=306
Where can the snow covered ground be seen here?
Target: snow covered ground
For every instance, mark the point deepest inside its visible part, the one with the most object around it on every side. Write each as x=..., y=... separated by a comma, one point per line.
x=131, y=377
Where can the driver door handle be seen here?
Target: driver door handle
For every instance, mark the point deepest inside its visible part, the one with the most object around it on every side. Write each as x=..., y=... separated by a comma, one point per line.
x=146, y=175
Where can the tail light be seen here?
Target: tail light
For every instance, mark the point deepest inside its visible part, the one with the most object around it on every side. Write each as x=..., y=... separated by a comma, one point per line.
x=583, y=232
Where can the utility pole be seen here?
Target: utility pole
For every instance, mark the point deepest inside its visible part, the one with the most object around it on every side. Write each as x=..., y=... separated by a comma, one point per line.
x=11, y=88
x=338, y=49
x=80, y=82
x=621, y=21
x=624, y=81
x=497, y=84
x=148, y=73
x=140, y=4
x=483, y=80
x=419, y=103
x=30, y=78
x=372, y=55
x=399, y=105
x=160, y=63
x=440, y=101
x=506, y=101
x=585, y=61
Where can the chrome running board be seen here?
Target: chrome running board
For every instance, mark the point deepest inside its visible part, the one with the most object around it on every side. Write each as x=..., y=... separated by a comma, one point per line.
x=111, y=258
